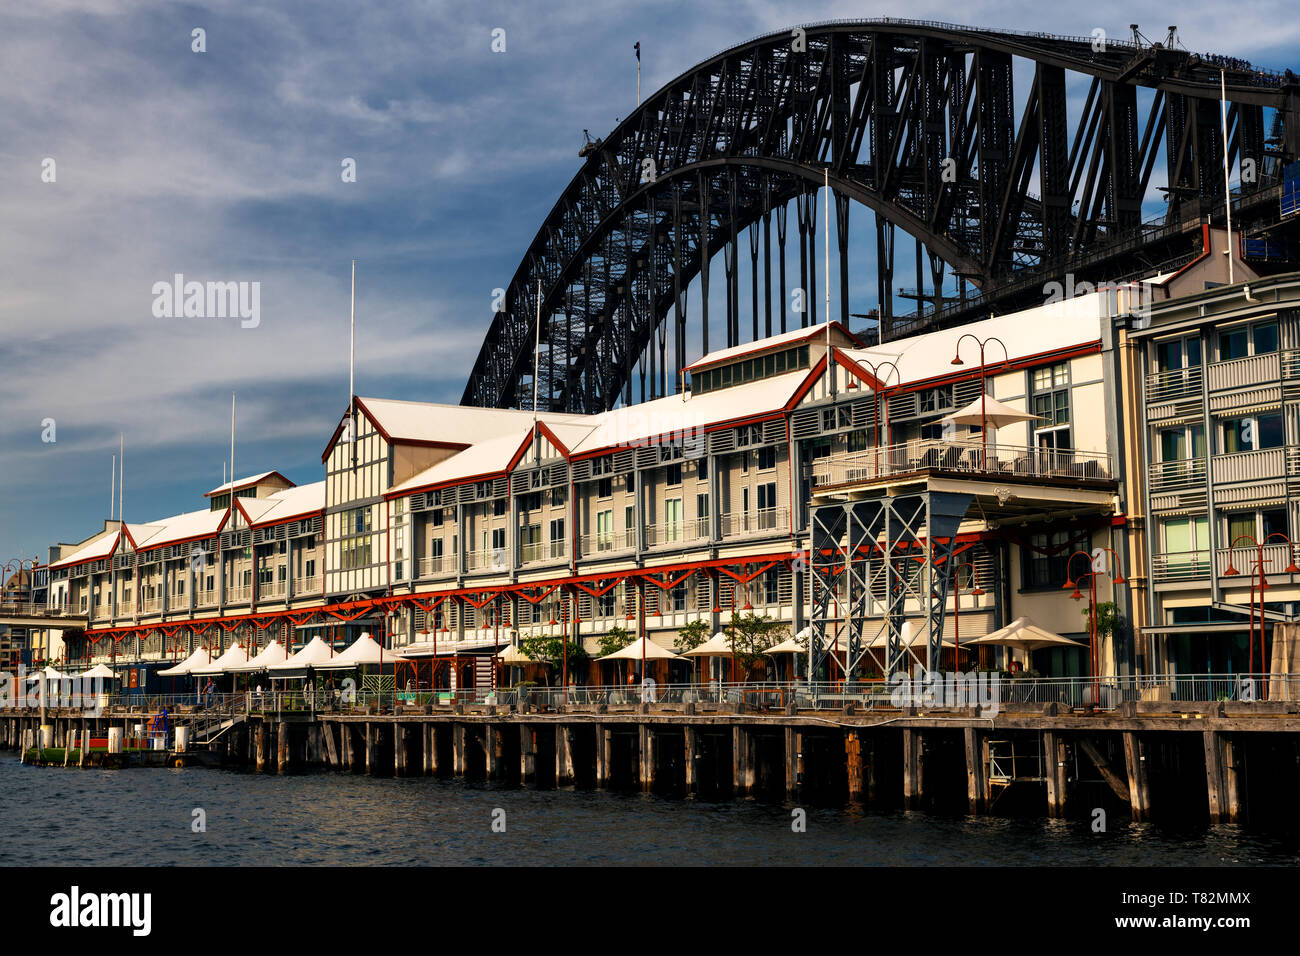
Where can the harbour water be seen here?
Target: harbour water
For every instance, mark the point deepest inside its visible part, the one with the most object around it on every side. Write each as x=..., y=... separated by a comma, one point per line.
x=138, y=817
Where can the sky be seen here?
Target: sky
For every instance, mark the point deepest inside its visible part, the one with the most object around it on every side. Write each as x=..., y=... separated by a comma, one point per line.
x=227, y=165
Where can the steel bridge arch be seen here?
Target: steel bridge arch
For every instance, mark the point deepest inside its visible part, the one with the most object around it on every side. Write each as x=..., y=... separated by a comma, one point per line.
x=737, y=138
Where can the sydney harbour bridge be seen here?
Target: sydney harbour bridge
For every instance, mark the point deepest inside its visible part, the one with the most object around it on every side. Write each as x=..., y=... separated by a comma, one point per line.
x=1006, y=158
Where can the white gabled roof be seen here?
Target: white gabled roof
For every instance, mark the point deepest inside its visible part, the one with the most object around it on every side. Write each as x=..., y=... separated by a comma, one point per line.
x=1048, y=328
x=246, y=482
x=290, y=503
x=772, y=342
x=100, y=546
x=191, y=524
x=634, y=424
x=450, y=424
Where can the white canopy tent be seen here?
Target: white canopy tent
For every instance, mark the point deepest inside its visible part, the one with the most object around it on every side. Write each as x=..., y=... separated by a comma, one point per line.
x=183, y=669
x=315, y=653
x=48, y=673
x=99, y=670
x=273, y=653
x=234, y=656
x=365, y=650
x=987, y=410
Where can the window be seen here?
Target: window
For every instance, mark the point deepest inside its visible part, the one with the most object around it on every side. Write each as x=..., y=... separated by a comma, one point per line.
x=603, y=466
x=498, y=507
x=559, y=496
x=674, y=473
x=1187, y=545
x=936, y=399
x=605, y=488
x=673, y=519
x=677, y=596
x=629, y=519
x=1257, y=525
x=604, y=530
x=748, y=435
x=767, y=458
x=1243, y=340
x=1043, y=562
x=605, y=604
x=1051, y=402
x=703, y=469
x=1182, y=443
x=1252, y=433
x=702, y=506
x=839, y=417
x=1180, y=353
x=860, y=440
x=771, y=586
x=435, y=518
x=557, y=538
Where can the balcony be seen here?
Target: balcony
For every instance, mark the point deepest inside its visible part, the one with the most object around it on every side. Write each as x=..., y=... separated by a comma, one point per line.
x=152, y=605
x=494, y=560
x=1267, y=463
x=237, y=595
x=763, y=521
x=677, y=533
x=960, y=459
x=1245, y=561
x=1249, y=372
x=270, y=589
x=306, y=586
x=206, y=598
x=436, y=567
x=1180, y=566
x=1171, y=475
x=608, y=542
x=1172, y=385
x=536, y=552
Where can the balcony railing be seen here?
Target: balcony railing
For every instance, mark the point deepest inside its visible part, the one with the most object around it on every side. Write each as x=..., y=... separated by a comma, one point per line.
x=762, y=521
x=237, y=595
x=270, y=589
x=1250, y=465
x=205, y=598
x=608, y=541
x=960, y=458
x=676, y=533
x=1173, y=384
x=1183, y=473
x=1181, y=566
x=151, y=605
x=432, y=567
x=496, y=559
x=537, y=551
x=1249, y=372
x=1245, y=561
x=308, y=585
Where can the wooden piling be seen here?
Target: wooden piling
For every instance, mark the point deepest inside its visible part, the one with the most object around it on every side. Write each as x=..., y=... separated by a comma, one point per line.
x=400, y=734
x=493, y=744
x=261, y=747
x=370, y=747
x=563, y=755
x=976, y=779
x=1054, y=771
x=281, y=747
x=1139, y=795
x=1232, y=753
x=742, y=760
x=527, y=754
x=458, y=749
x=692, y=749
x=603, y=744
x=793, y=744
x=1212, y=743
x=854, y=765
x=645, y=753
x=911, y=768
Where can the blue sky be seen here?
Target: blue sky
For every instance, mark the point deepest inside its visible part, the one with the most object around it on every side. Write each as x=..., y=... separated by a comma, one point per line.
x=225, y=166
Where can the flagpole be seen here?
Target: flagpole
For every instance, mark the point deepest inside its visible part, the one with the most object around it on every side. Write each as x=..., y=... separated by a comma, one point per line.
x=121, y=481
x=827, y=244
x=1227, y=180
x=112, y=489
x=232, y=449
x=352, y=357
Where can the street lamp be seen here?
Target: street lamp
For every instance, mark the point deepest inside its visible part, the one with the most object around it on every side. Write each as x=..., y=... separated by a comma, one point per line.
x=1260, y=560
x=1117, y=577
x=956, y=360
x=876, y=369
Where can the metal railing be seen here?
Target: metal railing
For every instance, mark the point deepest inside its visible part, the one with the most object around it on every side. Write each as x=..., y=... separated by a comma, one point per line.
x=601, y=542
x=1250, y=465
x=1173, y=384
x=1180, y=566
x=309, y=585
x=1182, y=473
x=1250, y=371
x=430, y=566
x=763, y=520
x=238, y=594
x=267, y=589
x=676, y=532
x=959, y=457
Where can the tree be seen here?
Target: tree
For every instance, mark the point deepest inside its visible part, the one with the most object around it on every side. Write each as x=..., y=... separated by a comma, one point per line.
x=549, y=649
x=615, y=639
x=693, y=635
x=1108, y=620
x=752, y=636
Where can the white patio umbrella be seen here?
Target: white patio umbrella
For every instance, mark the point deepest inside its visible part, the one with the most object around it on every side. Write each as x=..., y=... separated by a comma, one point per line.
x=99, y=670
x=1023, y=634
x=719, y=645
x=987, y=410
x=364, y=650
x=316, y=653
x=511, y=654
x=638, y=649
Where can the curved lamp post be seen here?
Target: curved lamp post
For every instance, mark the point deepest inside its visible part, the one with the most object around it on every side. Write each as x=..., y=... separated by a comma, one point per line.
x=1006, y=359
x=1260, y=560
x=876, y=369
x=1117, y=577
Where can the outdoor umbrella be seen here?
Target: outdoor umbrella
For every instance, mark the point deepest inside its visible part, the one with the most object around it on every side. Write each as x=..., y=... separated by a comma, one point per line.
x=1023, y=634
x=989, y=411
